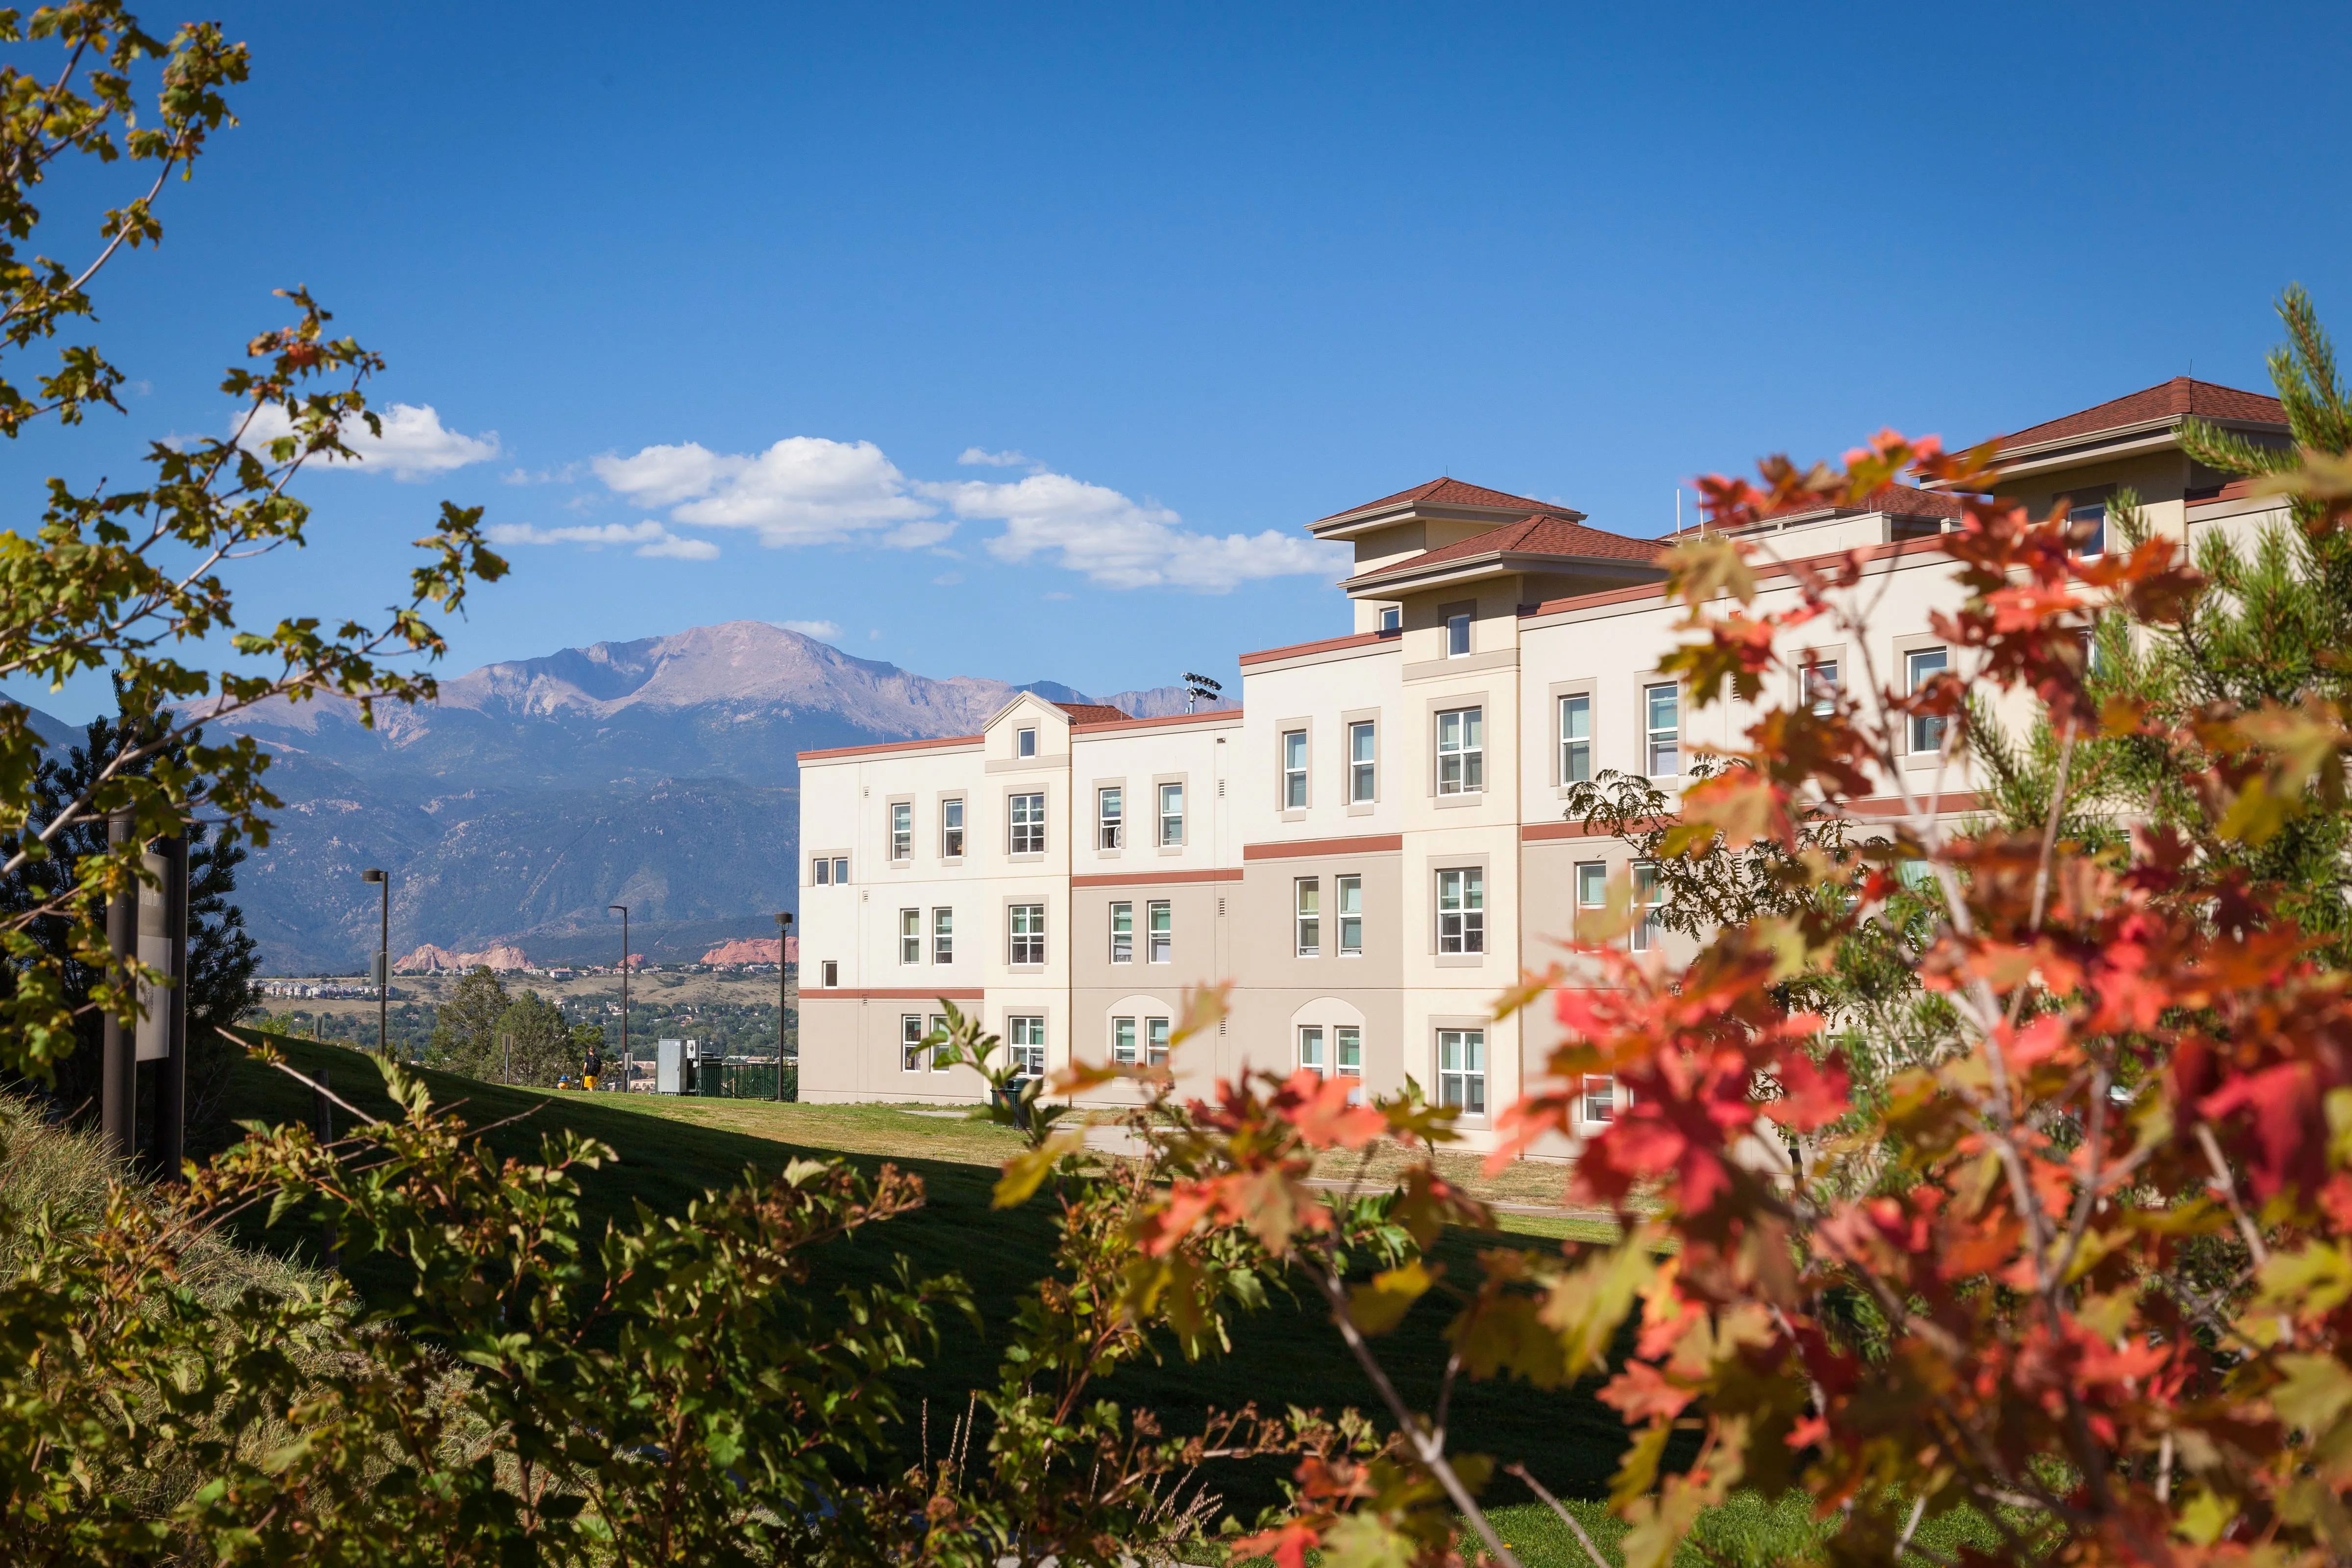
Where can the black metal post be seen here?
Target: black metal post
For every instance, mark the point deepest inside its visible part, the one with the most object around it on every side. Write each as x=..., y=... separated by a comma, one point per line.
x=382, y=965
x=783, y=997
x=117, y=1104
x=628, y=1063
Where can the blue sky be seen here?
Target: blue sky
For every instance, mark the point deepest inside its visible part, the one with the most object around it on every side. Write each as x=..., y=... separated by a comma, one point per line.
x=1195, y=276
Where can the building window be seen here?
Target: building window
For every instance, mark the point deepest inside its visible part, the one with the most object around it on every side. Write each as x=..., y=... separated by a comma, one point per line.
x=1575, y=739
x=942, y=936
x=1591, y=892
x=1462, y=1069
x=1027, y=1037
x=902, y=831
x=939, y=1031
x=1028, y=934
x=910, y=1043
x=1155, y=1041
x=1347, y=892
x=1647, y=897
x=1600, y=1098
x=1311, y=1048
x=1122, y=1040
x=1028, y=824
x=1462, y=910
x=1364, y=762
x=1294, y=769
x=1457, y=635
x=1309, y=902
x=951, y=829
x=1159, y=931
x=841, y=870
x=1110, y=818
x=1920, y=666
x=2088, y=525
x=1392, y=617
x=831, y=973
x=910, y=936
x=1663, y=708
x=820, y=872
x=1347, y=1046
x=1461, y=751
x=1822, y=686
x=1122, y=933
x=1172, y=815
x=1025, y=744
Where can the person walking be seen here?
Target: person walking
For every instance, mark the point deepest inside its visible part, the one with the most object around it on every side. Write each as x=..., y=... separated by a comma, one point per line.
x=591, y=1068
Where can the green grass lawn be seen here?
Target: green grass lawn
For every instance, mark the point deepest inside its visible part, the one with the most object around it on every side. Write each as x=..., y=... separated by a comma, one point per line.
x=671, y=1151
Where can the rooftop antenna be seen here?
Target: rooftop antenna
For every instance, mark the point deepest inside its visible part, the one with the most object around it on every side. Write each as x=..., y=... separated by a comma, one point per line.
x=1198, y=689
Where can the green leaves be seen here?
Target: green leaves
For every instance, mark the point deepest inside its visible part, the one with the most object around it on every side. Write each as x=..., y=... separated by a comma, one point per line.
x=1379, y=1303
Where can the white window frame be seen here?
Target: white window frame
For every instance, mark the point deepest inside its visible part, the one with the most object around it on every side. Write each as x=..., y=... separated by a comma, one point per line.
x=1032, y=939
x=1025, y=823
x=1462, y=910
x=1122, y=931
x=1347, y=908
x=912, y=1057
x=1122, y=1041
x=1647, y=933
x=1462, y=1085
x=1111, y=816
x=1662, y=742
x=1025, y=742
x=1591, y=882
x=939, y=1026
x=1457, y=634
x=1821, y=681
x=1172, y=822
x=910, y=936
x=1925, y=731
x=1575, y=744
x=902, y=831
x=943, y=935
x=821, y=872
x=951, y=829
x=2094, y=512
x=1462, y=757
x=1024, y=1036
x=1294, y=769
x=1363, y=761
x=841, y=870
x=1156, y=1033
x=1306, y=912
x=1159, y=931
x=1310, y=1050
x=1347, y=1055
x=1596, y=1107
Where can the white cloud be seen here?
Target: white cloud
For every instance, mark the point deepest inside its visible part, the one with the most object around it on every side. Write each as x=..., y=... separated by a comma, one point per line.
x=804, y=489
x=1123, y=544
x=823, y=630
x=650, y=538
x=807, y=490
x=947, y=579
x=414, y=443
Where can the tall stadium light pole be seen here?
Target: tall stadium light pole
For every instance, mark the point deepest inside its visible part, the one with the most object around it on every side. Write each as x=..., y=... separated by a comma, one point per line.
x=783, y=1008
x=382, y=965
x=628, y=1066
x=118, y=1059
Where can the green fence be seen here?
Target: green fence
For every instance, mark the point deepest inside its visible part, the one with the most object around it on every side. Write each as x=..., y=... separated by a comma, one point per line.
x=733, y=1079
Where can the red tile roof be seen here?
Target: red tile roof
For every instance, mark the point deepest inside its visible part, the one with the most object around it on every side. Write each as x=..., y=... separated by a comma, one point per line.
x=1895, y=500
x=1093, y=712
x=1542, y=535
x=1444, y=492
x=2170, y=399
x=1320, y=645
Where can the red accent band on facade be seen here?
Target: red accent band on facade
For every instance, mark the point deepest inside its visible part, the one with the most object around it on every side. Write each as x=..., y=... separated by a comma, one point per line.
x=1206, y=716
x=881, y=746
x=1359, y=639
x=938, y=993
x=1931, y=544
x=1156, y=879
x=1373, y=844
x=1872, y=805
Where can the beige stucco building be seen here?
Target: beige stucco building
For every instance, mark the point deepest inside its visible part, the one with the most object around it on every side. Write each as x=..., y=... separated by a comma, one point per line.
x=1373, y=847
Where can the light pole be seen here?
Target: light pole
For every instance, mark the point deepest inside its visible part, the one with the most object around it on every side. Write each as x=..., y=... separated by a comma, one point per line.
x=783, y=940
x=382, y=965
x=628, y=1066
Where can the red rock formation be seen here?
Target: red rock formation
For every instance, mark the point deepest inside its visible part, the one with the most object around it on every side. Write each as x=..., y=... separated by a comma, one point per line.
x=754, y=949
x=431, y=960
